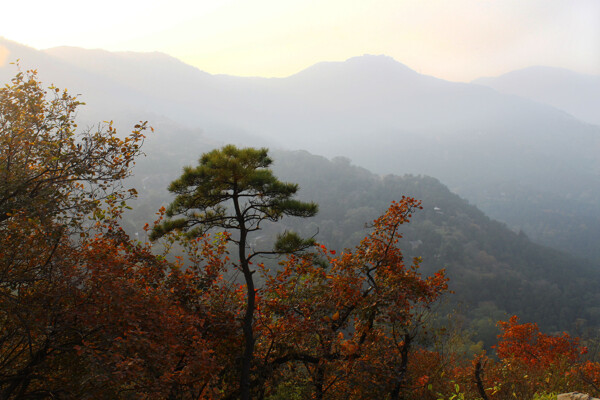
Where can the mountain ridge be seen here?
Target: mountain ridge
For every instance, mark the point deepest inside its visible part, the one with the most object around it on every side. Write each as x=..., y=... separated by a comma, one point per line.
x=574, y=92
x=471, y=137
x=515, y=159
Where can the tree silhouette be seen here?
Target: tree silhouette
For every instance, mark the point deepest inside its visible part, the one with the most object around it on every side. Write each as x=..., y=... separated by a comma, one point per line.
x=233, y=189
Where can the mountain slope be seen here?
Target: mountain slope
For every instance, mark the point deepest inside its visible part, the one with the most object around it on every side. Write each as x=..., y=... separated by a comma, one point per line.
x=525, y=163
x=577, y=94
x=488, y=264
x=493, y=270
x=104, y=97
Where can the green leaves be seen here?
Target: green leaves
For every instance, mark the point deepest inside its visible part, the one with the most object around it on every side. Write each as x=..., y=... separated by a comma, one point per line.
x=291, y=242
x=232, y=188
x=296, y=208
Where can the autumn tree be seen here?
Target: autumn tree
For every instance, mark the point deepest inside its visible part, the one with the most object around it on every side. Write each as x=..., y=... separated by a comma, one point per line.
x=47, y=168
x=347, y=324
x=148, y=328
x=53, y=179
x=528, y=364
x=233, y=190
x=535, y=362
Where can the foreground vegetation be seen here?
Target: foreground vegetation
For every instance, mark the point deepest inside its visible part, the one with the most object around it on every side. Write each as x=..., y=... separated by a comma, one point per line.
x=87, y=312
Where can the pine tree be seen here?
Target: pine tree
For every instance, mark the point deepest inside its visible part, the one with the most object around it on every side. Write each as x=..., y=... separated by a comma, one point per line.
x=232, y=189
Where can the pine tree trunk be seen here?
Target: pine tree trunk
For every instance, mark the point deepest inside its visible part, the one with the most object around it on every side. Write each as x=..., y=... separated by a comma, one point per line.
x=248, y=355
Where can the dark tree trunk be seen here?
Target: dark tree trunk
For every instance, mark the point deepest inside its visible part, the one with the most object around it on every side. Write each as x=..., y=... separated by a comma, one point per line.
x=245, y=386
x=395, y=394
x=247, y=328
x=319, y=380
x=478, y=372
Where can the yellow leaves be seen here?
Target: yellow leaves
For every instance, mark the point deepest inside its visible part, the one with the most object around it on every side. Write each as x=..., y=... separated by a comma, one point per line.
x=335, y=316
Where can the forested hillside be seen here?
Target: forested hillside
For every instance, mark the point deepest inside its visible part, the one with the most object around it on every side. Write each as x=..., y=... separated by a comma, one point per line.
x=493, y=270
x=528, y=164
x=201, y=311
x=496, y=270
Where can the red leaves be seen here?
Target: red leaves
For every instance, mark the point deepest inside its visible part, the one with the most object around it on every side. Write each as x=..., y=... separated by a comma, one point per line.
x=351, y=314
x=153, y=327
x=526, y=344
x=529, y=362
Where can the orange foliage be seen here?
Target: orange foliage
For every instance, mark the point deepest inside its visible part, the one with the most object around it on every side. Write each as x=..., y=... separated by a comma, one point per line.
x=347, y=321
x=86, y=312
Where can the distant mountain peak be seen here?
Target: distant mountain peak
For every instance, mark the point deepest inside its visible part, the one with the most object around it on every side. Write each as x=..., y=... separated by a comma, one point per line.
x=380, y=61
x=380, y=58
x=536, y=72
x=365, y=65
x=576, y=93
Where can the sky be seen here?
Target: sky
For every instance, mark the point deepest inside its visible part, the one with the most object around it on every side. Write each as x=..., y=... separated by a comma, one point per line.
x=457, y=40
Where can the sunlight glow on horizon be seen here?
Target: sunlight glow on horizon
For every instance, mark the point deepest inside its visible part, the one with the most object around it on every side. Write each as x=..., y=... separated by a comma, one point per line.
x=460, y=40
x=4, y=54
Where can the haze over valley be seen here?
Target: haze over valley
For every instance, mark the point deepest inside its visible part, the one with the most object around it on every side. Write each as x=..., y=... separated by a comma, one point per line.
x=529, y=164
x=300, y=200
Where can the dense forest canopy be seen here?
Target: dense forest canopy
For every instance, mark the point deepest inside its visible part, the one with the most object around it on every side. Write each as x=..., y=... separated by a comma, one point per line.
x=495, y=272
x=89, y=312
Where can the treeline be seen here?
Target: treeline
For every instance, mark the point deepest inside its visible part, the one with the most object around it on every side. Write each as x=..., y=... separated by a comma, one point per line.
x=88, y=312
x=494, y=272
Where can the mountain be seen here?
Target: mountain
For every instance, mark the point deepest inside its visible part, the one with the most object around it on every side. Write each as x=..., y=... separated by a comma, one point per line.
x=492, y=269
x=494, y=272
x=104, y=97
x=577, y=94
x=523, y=162
x=527, y=162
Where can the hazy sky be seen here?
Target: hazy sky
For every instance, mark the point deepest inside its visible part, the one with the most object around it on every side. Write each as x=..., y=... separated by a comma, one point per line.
x=452, y=39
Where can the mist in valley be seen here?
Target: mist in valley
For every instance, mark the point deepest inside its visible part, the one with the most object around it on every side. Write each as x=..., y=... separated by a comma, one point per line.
x=506, y=162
